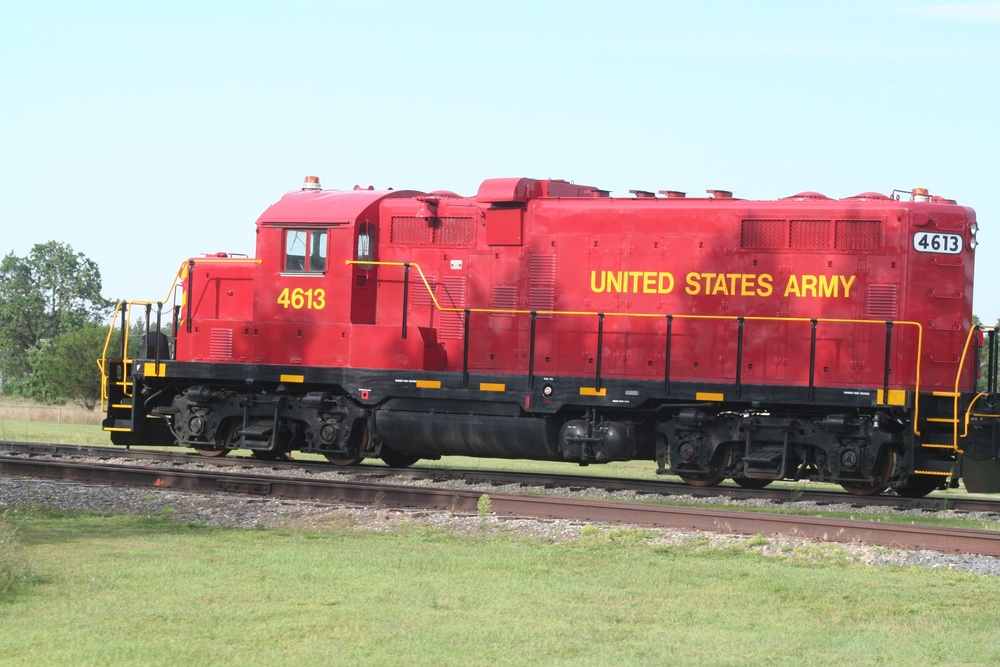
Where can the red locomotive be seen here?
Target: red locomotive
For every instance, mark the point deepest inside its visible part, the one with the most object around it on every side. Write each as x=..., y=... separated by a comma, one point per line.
x=803, y=338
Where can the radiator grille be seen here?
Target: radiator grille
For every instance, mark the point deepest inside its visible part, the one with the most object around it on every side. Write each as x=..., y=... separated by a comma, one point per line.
x=773, y=234
x=810, y=234
x=764, y=234
x=859, y=234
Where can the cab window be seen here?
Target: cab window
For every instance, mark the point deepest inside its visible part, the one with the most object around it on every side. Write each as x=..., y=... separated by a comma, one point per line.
x=366, y=244
x=305, y=250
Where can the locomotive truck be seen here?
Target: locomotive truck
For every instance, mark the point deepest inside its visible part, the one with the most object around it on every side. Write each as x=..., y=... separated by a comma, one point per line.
x=807, y=338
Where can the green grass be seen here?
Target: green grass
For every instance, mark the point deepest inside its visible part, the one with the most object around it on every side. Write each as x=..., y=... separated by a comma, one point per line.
x=147, y=591
x=63, y=434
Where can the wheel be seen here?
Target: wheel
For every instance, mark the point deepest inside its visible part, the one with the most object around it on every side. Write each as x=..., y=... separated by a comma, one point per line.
x=395, y=459
x=720, y=461
x=864, y=488
x=701, y=482
x=886, y=463
x=343, y=461
x=213, y=452
x=751, y=482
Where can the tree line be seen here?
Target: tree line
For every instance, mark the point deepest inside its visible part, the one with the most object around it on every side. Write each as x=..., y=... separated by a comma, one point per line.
x=53, y=325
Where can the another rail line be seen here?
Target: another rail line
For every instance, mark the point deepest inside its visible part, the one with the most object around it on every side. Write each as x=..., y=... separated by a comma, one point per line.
x=214, y=480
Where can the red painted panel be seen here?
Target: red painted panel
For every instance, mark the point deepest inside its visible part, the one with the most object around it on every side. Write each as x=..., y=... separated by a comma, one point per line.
x=523, y=245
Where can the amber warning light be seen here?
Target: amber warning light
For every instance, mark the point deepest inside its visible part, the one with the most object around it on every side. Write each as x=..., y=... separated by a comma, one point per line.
x=311, y=183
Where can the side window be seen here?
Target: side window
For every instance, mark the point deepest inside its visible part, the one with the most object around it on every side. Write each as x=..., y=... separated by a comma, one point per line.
x=305, y=250
x=317, y=258
x=366, y=243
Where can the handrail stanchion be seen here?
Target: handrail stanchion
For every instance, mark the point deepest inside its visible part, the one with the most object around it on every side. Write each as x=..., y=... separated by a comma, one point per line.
x=666, y=354
x=739, y=356
x=812, y=360
x=531, y=352
x=465, y=349
x=600, y=346
x=888, y=357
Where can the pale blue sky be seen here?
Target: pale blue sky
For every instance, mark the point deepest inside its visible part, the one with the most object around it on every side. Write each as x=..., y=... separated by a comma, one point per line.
x=143, y=133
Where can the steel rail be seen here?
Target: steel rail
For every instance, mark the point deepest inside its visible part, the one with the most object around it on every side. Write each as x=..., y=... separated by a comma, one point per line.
x=905, y=536
x=549, y=480
x=658, y=486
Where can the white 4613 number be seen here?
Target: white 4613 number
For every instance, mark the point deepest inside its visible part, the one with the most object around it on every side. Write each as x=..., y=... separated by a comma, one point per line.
x=947, y=244
x=298, y=298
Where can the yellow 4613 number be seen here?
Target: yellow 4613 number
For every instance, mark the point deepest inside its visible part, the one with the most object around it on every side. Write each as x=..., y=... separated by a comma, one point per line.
x=298, y=298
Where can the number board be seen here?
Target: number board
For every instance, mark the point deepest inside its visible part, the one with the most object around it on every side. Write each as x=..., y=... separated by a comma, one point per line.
x=946, y=244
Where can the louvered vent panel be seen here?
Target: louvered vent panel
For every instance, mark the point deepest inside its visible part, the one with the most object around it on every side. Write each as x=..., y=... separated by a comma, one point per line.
x=419, y=296
x=859, y=235
x=503, y=297
x=451, y=294
x=542, y=286
x=883, y=301
x=764, y=234
x=810, y=234
x=220, y=344
x=409, y=230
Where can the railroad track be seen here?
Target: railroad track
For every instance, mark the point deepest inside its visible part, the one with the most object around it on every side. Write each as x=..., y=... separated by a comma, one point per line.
x=659, y=486
x=951, y=540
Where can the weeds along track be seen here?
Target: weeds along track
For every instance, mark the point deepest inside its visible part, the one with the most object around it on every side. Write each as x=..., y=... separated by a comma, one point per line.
x=369, y=485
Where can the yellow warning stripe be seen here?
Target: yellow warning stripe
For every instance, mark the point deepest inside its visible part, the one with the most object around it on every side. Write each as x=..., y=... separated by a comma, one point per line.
x=593, y=391
x=895, y=397
x=931, y=472
x=292, y=378
x=492, y=386
x=154, y=370
x=709, y=396
x=428, y=384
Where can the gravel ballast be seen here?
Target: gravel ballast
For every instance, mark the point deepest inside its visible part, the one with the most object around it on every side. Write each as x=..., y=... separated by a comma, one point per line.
x=268, y=513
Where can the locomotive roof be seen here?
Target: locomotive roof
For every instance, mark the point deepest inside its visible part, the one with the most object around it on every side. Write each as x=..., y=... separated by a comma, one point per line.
x=315, y=206
x=326, y=206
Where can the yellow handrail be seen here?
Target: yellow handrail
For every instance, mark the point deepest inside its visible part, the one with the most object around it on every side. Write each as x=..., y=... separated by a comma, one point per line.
x=751, y=318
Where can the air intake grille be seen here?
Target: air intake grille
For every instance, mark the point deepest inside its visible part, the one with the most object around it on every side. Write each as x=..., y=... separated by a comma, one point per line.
x=810, y=234
x=859, y=235
x=406, y=230
x=773, y=234
x=764, y=234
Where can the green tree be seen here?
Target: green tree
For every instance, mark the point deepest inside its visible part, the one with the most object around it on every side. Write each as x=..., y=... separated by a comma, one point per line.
x=64, y=368
x=51, y=291
x=981, y=383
